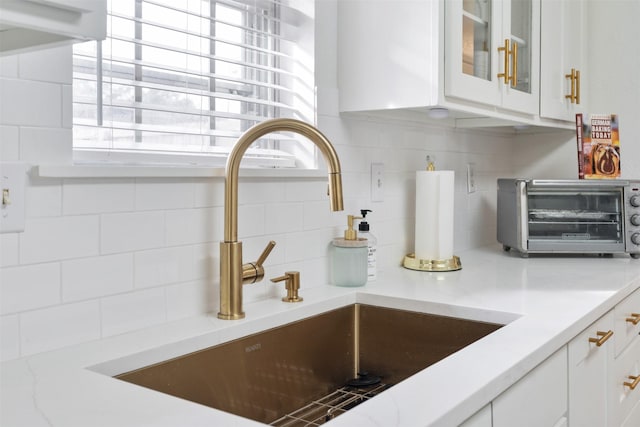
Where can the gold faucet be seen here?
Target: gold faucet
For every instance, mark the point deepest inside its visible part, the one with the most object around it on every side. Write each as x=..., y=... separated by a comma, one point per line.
x=233, y=274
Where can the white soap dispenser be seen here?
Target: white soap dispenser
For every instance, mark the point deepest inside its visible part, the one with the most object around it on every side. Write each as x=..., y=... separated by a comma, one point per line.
x=349, y=257
x=372, y=246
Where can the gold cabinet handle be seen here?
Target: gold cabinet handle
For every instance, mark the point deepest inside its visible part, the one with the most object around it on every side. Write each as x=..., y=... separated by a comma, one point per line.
x=602, y=337
x=572, y=97
x=635, y=318
x=634, y=381
x=514, y=64
x=506, y=52
x=577, y=86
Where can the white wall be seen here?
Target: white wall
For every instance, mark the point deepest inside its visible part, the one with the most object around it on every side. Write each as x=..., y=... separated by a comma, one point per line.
x=100, y=257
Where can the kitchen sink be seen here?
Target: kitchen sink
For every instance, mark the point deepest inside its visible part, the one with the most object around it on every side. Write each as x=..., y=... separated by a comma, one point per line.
x=305, y=370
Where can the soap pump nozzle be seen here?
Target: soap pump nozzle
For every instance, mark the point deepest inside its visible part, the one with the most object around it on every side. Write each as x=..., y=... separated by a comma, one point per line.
x=350, y=233
x=364, y=225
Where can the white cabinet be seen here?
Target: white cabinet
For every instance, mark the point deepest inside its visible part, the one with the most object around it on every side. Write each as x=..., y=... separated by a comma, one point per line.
x=563, y=58
x=625, y=390
x=604, y=380
x=492, y=52
x=417, y=55
x=590, y=355
x=30, y=24
x=537, y=400
x=482, y=418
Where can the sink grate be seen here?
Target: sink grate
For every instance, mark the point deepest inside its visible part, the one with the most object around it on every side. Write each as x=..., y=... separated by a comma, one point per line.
x=330, y=406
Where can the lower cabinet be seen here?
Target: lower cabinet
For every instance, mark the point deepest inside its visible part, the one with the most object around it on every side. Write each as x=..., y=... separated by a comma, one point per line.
x=537, y=400
x=482, y=418
x=590, y=378
x=604, y=369
x=593, y=381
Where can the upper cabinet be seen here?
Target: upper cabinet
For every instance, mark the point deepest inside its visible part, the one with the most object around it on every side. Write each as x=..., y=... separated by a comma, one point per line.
x=563, y=59
x=478, y=58
x=31, y=24
x=492, y=53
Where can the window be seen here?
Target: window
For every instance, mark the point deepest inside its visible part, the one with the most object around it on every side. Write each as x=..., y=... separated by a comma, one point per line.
x=180, y=81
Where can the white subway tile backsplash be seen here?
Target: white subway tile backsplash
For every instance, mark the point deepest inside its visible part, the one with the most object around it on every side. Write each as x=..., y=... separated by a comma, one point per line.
x=164, y=194
x=9, y=143
x=43, y=197
x=29, y=287
x=163, y=266
x=307, y=244
x=96, y=277
x=60, y=326
x=191, y=299
x=251, y=221
x=45, y=145
x=255, y=191
x=52, y=65
x=67, y=106
x=283, y=218
x=85, y=196
x=58, y=238
x=8, y=249
x=9, y=337
x=132, y=311
x=30, y=103
x=189, y=226
x=9, y=66
x=209, y=192
x=316, y=215
x=133, y=231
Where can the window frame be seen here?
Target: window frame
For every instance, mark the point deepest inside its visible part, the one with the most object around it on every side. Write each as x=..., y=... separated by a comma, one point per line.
x=271, y=157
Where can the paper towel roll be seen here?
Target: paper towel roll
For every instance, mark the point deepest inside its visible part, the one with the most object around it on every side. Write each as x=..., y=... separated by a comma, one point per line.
x=434, y=215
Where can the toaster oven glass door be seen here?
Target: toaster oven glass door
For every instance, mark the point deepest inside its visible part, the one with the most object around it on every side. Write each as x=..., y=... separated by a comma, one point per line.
x=575, y=219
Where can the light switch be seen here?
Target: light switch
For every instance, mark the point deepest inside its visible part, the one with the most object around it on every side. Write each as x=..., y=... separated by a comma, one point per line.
x=13, y=177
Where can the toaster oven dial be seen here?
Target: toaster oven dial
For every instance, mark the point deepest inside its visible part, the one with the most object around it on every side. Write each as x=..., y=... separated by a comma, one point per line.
x=635, y=201
x=635, y=238
x=635, y=219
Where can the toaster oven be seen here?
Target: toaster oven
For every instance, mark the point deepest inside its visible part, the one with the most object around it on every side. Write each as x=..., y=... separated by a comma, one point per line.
x=569, y=216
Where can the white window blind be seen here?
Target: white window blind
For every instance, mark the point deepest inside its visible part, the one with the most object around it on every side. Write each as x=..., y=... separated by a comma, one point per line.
x=179, y=81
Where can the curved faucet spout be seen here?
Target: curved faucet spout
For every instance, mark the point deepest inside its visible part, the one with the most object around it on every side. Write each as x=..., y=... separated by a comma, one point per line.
x=231, y=271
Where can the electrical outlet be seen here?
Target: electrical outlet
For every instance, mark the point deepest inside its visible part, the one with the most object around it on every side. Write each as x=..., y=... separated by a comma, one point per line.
x=12, y=199
x=471, y=178
x=377, y=182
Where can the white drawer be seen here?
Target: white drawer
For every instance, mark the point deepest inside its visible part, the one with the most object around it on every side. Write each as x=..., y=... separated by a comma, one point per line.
x=623, y=397
x=624, y=329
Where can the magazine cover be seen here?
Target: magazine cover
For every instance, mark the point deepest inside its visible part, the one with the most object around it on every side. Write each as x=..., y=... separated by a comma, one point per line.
x=598, y=137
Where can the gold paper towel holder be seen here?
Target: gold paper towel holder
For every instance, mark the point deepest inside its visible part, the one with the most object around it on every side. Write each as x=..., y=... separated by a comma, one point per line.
x=413, y=263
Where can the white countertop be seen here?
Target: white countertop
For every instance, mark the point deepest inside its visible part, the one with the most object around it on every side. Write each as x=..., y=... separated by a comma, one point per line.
x=546, y=301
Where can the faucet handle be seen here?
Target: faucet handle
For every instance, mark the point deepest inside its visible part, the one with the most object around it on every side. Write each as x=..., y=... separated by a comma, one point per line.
x=253, y=272
x=265, y=253
x=292, y=284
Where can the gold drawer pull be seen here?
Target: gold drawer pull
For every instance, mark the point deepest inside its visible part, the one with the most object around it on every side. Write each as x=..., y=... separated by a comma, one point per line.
x=635, y=318
x=635, y=380
x=603, y=337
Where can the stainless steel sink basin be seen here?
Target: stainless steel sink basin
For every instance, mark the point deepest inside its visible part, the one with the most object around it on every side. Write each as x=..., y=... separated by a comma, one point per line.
x=273, y=373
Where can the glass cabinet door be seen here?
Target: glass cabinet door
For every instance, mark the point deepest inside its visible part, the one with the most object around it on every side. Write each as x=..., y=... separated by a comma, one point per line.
x=521, y=19
x=470, y=60
x=492, y=52
x=521, y=35
x=476, y=38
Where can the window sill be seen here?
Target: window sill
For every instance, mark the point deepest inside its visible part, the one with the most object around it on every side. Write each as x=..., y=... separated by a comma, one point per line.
x=138, y=171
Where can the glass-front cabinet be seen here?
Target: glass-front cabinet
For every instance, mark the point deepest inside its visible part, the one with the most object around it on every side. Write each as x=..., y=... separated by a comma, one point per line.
x=493, y=52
